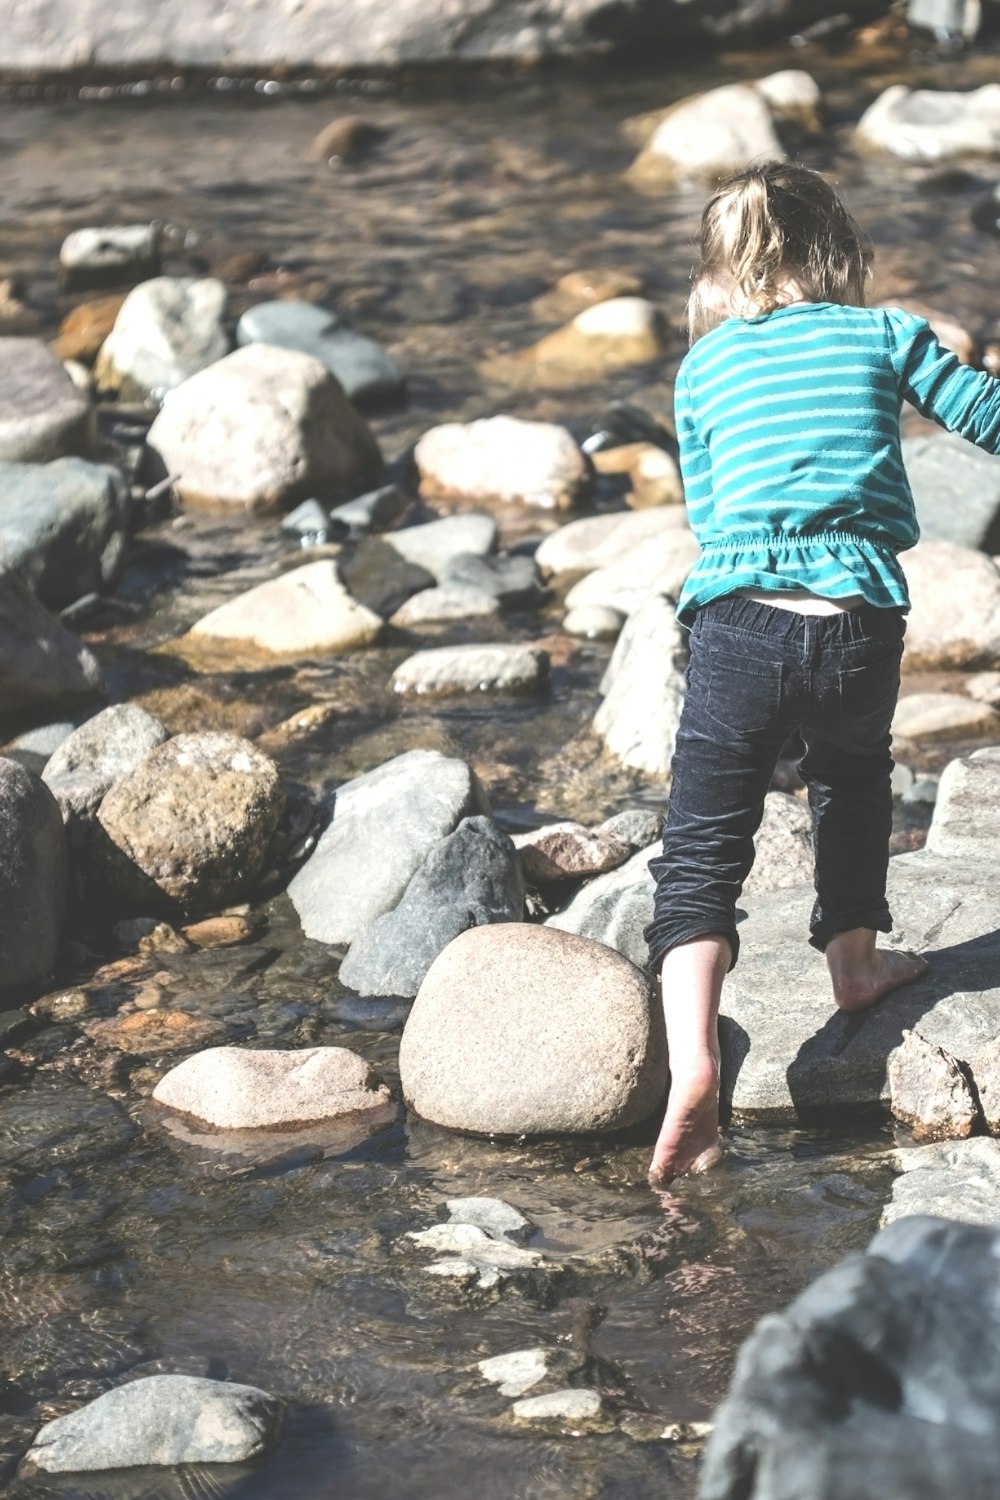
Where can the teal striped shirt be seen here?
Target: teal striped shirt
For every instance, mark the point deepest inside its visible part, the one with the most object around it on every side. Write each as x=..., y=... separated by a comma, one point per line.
x=788, y=428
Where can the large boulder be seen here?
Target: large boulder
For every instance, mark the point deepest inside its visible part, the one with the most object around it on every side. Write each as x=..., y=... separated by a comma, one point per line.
x=307, y=612
x=162, y=1420
x=167, y=330
x=366, y=372
x=502, y=460
x=470, y=879
x=192, y=824
x=933, y=125
x=880, y=1379
x=32, y=882
x=956, y=487
x=521, y=1030
x=42, y=414
x=234, y=1088
x=262, y=429
x=644, y=689
x=63, y=526
x=41, y=662
x=382, y=827
x=955, y=618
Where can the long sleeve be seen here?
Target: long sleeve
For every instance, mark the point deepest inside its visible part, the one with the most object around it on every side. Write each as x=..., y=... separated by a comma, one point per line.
x=695, y=460
x=954, y=395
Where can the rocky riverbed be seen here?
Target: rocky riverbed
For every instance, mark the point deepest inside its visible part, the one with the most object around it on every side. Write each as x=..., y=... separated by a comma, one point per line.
x=339, y=523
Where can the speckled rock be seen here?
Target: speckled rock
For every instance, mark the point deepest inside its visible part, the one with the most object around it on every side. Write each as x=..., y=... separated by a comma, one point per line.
x=447, y=671
x=519, y=1029
x=644, y=688
x=929, y=1092
x=502, y=460
x=951, y=1179
x=561, y=851
x=108, y=746
x=308, y=611
x=42, y=414
x=966, y=820
x=955, y=618
x=235, y=1088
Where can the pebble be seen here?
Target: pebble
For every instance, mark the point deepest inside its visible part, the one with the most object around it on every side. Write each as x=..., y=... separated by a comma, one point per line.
x=924, y=790
x=63, y=526
x=609, y=335
x=446, y=671
x=966, y=820
x=346, y=138
x=233, y=1088
x=956, y=489
x=308, y=611
x=984, y=687
x=166, y=331
x=594, y=622
x=502, y=460
x=579, y=289
x=42, y=414
x=221, y=932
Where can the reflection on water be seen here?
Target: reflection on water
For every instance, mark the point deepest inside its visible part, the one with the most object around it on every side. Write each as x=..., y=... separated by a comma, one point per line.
x=128, y=1247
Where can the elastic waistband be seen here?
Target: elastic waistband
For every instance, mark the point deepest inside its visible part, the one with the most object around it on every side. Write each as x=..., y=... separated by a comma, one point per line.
x=847, y=627
x=771, y=541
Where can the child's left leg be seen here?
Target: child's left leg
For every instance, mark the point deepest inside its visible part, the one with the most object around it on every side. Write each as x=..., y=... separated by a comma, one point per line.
x=689, y=1137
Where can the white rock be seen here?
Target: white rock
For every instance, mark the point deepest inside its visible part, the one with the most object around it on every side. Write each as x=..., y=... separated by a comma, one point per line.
x=495, y=1217
x=949, y=1179
x=452, y=670
x=449, y=602
x=931, y=125
x=792, y=93
x=566, y=1406
x=955, y=619
x=943, y=716
x=619, y=317
x=502, y=459
x=721, y=131
x=657, y=566
x=232, y=1088
x=966, y=820
x=472, y=1243
x=594, y=622
x=167, y=330
x=516, y=1372
x=433, y=544
x=307, y=611
x=601, y=541
x=644, y=687
x=113, y=247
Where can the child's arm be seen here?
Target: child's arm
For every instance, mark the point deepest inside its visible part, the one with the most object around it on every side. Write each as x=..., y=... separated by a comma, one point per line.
x=695, y=460
x=954, y=395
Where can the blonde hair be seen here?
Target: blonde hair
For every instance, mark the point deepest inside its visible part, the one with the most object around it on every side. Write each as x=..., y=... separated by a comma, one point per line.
x=769, y=225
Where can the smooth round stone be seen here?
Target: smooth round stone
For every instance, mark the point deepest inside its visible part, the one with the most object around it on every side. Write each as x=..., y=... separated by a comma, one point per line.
x=594, y=622
x=161, y=1420
x=610, y=335
x=933, y=125
x=232, y=1088
x=722, y=131
x=453, y=670
x=519, y=1029
x=943, y=716
x=364, y=369
x=94, y=256
x=305, y=612
x=167, y=330
x=439, y=605
x=42, y=414
x=503, y=460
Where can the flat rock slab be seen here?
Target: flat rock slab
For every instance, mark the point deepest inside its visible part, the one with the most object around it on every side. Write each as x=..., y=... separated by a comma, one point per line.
x=502, y=460
x=308, y=611
x=62, y=526
x=447, y=671
x=163, y=1420
x=951, y=1179
x=231, y=1088
x=448, y=602
x=568, y=1408
x=382, y=827
x=966, y=819
x=520, y=1029
x=787, y=1050
x=42, y=414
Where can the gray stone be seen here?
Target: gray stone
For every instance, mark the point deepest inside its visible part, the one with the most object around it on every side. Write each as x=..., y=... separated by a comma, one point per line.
x=379, y=578
x=32, y=882
x=502, y=460
x=637, y=826
x=657, y=566
x=880, y=1379
x=383, y=825
x=594, y=622
x=935, y=717
x=41, y=662
x=192, y=824
x=439, y=605
x=493, y=1216
x=307, y=612
x=950, y=1179
x=35, y=747
x=956, y=487
x=925, y=790
x=63, y=526
x=571, y=1407
x=522, y=1030
x=928, y=1091
x=933, y=125
x=955, y=618
x=614, y=909
x=366, y=372
x=472, y=1243
x=310, y=521
x=372, y=511
x=784, y=846
x=167, y=330
x=103, y=256
x=966, y=820
x=162, y=1420
x=984, y=1066
x=947, y=19
x=42, y=414
x=234, y=1088
x=108, y=746
x=601, y=541
x=433, y=544
x=447, y=671
x=516, y=1372
x=511, y=580
x=262, y=429
x=470, y=879
x=644, y=690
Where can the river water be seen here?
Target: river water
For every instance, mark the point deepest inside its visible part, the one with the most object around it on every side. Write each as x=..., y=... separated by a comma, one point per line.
x=129, y=1247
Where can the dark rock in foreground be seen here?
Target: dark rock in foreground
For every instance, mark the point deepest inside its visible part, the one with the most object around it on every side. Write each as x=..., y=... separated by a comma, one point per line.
x=32, y=881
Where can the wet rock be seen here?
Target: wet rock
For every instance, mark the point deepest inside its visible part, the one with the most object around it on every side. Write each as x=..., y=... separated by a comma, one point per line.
x=950, y=1179
x=502, y=460
x=493, y=1216
x=434, y=544
x=191, y=826
x=472, y=1243
x=32, y=881
x=562, y=851
x=63, y=526
x=162, y=1420
x=644, y=689
x=943, y=716
x=610, y=335
x=510, y=580
x=311, y=523
x=581, y=289
x=261, y=429
x=348, y=137
x=449, y=602
x=103, y=256
x=42, y=414
x=657, y=566
x=710, y=135
x=148, y=935
x=928, y=1091
x=519, y=1029
x=41, y=662
x=594, y=622
x=221, y=932
x=516, y=1372
x=984, y=1066
x=986, y=212
x=167, y=330
x=379, y=578
x=879, y=1378
x=470, y=879
x=383, y=825
x=573, y=1408
x=83, y=331
x=152, y=1032
x=933, y=125
x=956, y=488
x=308, y=611
x=955, y=618
x=602, y=541
x=447, y=671
x=363, y=368
x=372, y=511
x=107, y=746
x=231, y=1088
x=966, y=822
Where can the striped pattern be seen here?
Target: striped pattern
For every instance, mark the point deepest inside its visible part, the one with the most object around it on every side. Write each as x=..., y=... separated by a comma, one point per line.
x=788, y=427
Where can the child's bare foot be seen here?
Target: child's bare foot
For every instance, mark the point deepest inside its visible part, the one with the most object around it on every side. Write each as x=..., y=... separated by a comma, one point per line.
x=689, y=1138
x=862, y=973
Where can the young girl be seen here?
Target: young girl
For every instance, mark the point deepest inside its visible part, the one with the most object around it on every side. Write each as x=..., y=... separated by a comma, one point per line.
x=788, y=425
